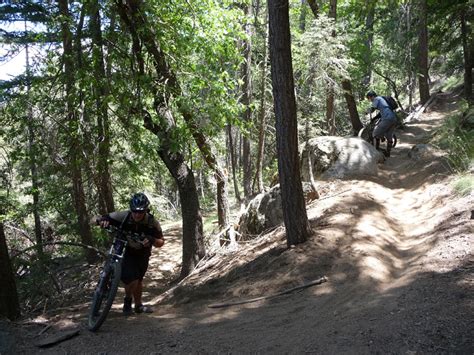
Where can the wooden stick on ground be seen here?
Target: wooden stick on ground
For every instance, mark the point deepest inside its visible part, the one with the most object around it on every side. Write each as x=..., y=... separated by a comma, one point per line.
x=309, y=284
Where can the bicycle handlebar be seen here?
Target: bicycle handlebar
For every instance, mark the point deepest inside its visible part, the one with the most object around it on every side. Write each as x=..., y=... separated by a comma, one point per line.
x=136, y=237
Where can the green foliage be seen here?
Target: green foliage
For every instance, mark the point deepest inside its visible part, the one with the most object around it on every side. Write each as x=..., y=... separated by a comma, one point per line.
x=320, y=60
x=456, y=137
x=464, y=185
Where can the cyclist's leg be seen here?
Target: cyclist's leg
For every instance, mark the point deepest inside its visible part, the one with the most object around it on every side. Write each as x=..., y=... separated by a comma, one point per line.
x=389, y=135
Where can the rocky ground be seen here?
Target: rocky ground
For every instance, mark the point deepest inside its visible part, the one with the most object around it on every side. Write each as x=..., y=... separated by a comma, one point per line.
x=396, y=249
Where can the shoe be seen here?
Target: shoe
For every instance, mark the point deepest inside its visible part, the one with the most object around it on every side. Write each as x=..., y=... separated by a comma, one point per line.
x=127, y=306
x=143, y=309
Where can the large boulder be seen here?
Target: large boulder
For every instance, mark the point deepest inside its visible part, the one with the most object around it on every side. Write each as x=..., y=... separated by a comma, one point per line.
x=265, y=211
x=337, y=157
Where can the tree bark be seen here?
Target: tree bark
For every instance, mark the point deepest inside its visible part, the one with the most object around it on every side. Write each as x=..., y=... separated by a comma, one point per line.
x=294, y=209
x=246, y=100
x=330, y=112
x=467, y=60
x=352, y=106
x=423, y=53
x=369, y=29
x=262, y=116
x=302, y=19
x=9, y=304
x=74, y=163
x=32, y=155
x=101, y=92
x=233, y=162
x=313, y=5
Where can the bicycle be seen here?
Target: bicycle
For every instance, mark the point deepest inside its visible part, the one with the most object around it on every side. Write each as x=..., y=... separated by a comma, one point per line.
x=366, y=133
x=109, y=277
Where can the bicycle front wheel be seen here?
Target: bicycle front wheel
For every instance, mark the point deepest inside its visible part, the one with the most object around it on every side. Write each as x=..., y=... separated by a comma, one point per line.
x=104, y=295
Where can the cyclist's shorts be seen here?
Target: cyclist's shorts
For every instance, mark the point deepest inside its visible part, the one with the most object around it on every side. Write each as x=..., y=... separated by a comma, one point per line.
x=133, y=267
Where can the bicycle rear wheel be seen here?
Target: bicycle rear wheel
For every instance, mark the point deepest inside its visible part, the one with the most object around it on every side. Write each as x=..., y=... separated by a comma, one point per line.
x=104, y=295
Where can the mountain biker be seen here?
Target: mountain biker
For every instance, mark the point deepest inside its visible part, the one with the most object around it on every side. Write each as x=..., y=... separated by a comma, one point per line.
x=388, y=121
x=135, y=263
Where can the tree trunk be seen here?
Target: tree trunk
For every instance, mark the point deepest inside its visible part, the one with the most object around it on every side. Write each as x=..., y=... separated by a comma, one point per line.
x=74, y=163
x=101, y=92
x=423, y=53
x=193, y=235
x=134, y=17
x=33, y=158
x=330, y=111
x=233, y=160
x=313, y=5
x=294, y=209
x=9, y=304
x=467, y=60
x=352, y=106
x=262, y=116
x=369, y=29
x=302, y=19
x=246, y=100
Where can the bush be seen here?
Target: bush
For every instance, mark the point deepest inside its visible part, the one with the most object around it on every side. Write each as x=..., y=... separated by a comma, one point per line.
x=456, y=137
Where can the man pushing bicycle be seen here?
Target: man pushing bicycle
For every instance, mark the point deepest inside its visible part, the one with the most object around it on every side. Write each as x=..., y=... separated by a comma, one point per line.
x=135, y=262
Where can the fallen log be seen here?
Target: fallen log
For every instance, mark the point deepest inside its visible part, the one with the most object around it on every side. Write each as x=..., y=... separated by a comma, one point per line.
x=415, y=114
x=309, y=284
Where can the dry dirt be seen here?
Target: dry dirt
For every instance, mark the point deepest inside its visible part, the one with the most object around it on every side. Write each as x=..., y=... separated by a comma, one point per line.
x=396, y=249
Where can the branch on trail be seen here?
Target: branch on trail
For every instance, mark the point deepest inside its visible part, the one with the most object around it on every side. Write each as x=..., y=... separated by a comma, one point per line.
x=57, y=338
x=416, y=114
x=309, y=284
x=85, y=246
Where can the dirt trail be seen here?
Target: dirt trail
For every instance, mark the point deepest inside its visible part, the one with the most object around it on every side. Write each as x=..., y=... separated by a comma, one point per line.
x=396, y=248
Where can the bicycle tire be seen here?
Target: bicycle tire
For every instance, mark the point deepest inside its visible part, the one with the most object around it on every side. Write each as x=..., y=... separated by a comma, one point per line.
x=97, y=315
x=364, y=134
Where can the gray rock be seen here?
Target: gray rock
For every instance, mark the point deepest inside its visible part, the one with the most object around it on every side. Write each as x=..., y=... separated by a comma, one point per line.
x=337, y=157
x=265, y=210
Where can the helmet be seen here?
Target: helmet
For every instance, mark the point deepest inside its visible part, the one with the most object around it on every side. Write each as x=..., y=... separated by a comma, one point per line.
x=139, y=202
x=371, y=93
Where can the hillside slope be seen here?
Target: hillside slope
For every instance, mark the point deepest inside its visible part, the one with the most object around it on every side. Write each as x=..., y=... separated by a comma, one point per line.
x=397, y=252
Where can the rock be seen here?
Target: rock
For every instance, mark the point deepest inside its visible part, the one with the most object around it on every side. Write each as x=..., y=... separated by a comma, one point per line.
x=265, y=211
x=422, y=151
x=337, y=157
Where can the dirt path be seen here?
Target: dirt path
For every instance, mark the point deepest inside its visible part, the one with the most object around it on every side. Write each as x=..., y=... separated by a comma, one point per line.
x=397, y=250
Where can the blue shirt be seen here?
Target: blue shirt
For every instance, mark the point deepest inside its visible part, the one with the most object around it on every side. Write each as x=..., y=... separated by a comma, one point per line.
x=385, y=112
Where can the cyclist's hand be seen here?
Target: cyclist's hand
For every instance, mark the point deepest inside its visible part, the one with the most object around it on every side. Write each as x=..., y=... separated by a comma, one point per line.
x=104, y=223
x=146, y=242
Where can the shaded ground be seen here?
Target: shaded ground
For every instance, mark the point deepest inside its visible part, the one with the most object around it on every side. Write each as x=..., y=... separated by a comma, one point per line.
x=396, y=248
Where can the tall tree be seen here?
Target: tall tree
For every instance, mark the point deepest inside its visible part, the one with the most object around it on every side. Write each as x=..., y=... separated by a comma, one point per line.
x=32, y=154
x=294, y=209
x=247, y=97
x=330, y=111
x=369, y=38
x=73, y=131
x=101, y=93
x=423, y=85
x=166, y=86
x=468, y=60
x=262, y=115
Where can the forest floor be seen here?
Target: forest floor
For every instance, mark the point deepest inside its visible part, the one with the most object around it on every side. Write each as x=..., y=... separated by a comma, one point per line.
x=396, y=250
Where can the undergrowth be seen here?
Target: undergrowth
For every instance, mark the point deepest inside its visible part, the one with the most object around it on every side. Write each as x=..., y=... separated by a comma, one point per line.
x=456, y=138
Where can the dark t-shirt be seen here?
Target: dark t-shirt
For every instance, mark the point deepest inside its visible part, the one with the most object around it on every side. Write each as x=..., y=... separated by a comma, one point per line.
x=149, y=226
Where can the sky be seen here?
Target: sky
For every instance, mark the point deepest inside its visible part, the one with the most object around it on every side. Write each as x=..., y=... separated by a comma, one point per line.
x=15, y=65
